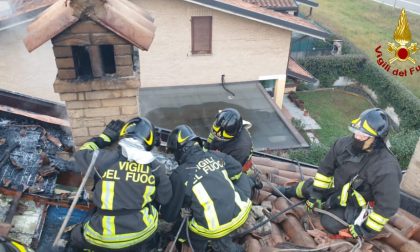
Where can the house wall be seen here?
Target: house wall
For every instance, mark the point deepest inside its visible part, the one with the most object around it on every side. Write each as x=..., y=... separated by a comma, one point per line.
x=242, y=49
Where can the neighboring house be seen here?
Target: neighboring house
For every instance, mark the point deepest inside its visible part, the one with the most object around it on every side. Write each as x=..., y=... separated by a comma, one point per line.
x=199, y=41
x=19, y=70
x=197, y=46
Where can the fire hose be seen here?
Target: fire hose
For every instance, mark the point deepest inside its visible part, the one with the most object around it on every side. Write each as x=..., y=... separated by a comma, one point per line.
x=333, y=216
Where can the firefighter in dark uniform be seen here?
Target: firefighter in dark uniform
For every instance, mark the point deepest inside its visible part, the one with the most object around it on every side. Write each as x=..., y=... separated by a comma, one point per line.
x=130, y=183
x=9, y=245
x=358, y=180
x=203, y=184
x=229, y=136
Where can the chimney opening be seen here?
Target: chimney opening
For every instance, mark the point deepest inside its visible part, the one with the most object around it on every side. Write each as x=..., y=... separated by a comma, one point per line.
x=108, y=60
x=82, y=62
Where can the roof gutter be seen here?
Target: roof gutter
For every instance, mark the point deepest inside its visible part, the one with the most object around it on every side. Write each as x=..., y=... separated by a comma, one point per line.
x=301, y=77
x=308, y=2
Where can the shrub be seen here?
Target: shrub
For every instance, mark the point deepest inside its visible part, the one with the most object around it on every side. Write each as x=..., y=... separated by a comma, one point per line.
x=403, y=144
x=313, y=155
x=390, y=92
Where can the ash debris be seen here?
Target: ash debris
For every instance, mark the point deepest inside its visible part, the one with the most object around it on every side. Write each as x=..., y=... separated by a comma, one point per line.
x=31, y=154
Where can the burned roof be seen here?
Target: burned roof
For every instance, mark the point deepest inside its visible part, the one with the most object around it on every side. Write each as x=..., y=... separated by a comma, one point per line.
x=120, y=16
x=32, y=154
x=263, y=15
x=295, y=70
x=278, y=5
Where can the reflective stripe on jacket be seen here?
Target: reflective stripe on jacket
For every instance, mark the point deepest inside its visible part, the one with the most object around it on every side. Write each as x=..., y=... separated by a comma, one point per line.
x=123, y=194
x=203, y=183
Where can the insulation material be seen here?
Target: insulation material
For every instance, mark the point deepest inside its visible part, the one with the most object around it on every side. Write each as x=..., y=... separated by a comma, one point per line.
x=26, y=223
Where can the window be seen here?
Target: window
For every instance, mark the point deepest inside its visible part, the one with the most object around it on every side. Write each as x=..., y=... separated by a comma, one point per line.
x=108, y=61
x=82, y=62
x=201, y=29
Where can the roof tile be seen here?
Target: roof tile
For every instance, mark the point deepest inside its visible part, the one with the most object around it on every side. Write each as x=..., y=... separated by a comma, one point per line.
x=297, y=71
x=274, y=3
x=274, y=14
x=120, y=16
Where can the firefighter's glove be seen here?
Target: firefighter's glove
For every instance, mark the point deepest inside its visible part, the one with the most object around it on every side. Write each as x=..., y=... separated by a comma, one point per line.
x=333, y=201
x=312, y=203
x=112, y=130
x=255, y=181
x=356, y=231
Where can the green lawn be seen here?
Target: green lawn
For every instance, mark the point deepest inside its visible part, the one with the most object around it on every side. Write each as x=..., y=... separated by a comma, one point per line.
x=368, y=24
x=333, y=111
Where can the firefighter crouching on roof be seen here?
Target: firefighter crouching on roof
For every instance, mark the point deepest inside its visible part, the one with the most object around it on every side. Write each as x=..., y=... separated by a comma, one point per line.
x=129, y=183
x=228, y=135
x=203, y=184
x=358, y=180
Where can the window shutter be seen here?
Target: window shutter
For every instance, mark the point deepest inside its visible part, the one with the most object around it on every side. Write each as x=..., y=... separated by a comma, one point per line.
x=201, y=28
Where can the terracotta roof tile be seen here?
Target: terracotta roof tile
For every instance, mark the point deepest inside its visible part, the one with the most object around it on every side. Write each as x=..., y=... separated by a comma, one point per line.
x=297, y=71
x=274, y=4
x=120, y=16
x=279, y=15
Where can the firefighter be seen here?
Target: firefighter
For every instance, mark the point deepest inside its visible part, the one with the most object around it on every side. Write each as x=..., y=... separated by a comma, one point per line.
x=130, y=184
x=9, y=245
x=203, y=184
x=358, y=180
x=229, y=136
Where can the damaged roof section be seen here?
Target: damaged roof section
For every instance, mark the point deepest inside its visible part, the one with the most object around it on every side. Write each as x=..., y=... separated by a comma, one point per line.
x=27, y=224
x=32, y=154
x=120, y=16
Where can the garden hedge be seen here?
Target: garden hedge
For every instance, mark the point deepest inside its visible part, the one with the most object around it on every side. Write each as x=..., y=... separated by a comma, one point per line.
x=390, y=92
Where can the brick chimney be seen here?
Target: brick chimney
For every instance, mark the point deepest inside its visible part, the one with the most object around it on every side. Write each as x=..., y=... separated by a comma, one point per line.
x=98, y=72
x=96, y=78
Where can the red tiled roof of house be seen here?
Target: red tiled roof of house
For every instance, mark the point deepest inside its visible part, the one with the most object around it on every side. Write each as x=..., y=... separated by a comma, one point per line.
x=274, y=4
x=264, y=15
x=297, y=71
x=120, y=16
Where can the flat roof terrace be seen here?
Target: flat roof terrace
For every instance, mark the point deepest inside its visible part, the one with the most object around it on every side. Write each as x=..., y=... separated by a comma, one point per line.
x=197, y=106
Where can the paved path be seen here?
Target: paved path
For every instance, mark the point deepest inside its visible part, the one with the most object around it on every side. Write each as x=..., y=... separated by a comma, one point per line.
x=295, y=112
x=409, y=5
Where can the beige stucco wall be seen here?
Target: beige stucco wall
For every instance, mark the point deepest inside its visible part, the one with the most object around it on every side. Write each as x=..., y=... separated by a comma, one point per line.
x=242, y=49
